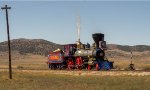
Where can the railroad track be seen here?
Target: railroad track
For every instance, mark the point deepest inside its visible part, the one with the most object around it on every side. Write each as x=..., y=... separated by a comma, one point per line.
x=82, y=72
x=75, y=70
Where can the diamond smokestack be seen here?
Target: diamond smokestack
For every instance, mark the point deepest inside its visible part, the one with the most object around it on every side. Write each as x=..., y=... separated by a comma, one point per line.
x=98, y=37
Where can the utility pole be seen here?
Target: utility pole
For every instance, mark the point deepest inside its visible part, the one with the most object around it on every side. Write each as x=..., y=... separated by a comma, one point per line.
x=9, y=49
x=131, y=56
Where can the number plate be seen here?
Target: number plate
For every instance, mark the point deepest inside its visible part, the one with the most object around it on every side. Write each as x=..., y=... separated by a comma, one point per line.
x=54, y=57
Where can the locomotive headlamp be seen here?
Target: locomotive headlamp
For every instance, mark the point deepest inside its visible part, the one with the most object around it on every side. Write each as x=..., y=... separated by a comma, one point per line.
x=79, y=51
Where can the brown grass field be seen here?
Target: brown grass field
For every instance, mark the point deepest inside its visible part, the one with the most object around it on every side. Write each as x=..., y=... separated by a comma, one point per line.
x=75, y=80
x=29, y=80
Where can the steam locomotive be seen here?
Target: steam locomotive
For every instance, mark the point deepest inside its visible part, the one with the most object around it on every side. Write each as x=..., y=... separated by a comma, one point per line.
x=81, y=56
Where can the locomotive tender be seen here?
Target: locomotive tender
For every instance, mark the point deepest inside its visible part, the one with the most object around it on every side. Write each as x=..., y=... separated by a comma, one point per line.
x=81, y=56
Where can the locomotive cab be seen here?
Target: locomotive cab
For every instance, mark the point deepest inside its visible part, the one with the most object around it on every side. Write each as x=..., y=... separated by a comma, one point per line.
x=70, y=49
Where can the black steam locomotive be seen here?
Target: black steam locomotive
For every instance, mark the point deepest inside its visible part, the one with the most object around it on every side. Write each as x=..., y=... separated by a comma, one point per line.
x=81, y=56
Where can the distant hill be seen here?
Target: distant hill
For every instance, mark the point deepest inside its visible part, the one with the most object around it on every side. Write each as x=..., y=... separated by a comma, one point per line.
x=138, y=48
x=33, y=46
x=42, y=47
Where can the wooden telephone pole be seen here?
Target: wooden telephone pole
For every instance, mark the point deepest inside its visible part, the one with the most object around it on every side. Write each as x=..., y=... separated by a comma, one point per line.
x=9, y=49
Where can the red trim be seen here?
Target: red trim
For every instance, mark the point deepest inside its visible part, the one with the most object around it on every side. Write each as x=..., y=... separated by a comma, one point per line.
x=89, y=67
x=70, y=64
x=79, y=62
x=97, y=67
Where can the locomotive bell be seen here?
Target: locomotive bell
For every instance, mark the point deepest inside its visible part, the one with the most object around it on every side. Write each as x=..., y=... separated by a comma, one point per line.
x=98, y=37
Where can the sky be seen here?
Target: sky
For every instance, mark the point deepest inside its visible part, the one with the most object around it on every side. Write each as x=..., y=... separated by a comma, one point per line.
x=122, y=22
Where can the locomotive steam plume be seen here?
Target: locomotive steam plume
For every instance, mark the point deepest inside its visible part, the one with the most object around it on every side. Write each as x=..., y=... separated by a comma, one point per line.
x=78, y=28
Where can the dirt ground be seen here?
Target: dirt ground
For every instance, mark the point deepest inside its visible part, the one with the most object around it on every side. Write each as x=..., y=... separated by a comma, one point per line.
x=85, y=73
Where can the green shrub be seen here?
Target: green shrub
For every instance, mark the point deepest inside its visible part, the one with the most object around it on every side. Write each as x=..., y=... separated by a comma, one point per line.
x=19, y=67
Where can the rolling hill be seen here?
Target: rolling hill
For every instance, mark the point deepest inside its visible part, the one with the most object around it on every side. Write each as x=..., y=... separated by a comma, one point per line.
x=32, y=46
x=138, y=48
x=42, y=47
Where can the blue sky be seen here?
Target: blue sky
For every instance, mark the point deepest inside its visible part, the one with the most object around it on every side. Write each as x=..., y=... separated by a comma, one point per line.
x=122, y=22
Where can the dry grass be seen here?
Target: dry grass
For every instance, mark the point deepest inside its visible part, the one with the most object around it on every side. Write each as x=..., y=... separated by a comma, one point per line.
x=122, y=63
x=54, y=80
x=29, y=61
x=49, y=81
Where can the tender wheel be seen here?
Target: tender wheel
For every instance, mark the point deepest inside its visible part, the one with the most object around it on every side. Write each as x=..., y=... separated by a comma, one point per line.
x=49, y=65
x=52, y=66
x=59, y=66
